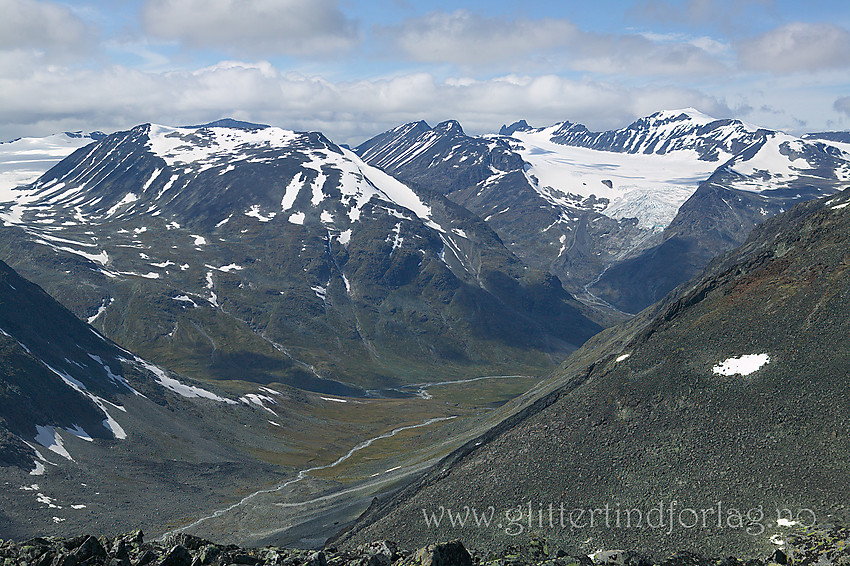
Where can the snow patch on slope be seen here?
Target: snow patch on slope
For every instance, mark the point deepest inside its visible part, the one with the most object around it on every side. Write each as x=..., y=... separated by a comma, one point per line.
x=189, y=391
x=744, y=365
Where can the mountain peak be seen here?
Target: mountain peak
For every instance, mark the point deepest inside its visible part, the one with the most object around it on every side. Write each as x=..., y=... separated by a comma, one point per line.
x=518, y=126
x=231, y=123
x=683, y=114
x=450, y=126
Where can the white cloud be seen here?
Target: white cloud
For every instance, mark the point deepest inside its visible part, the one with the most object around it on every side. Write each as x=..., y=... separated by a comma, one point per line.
x=349, y=112
x=797, y=47
x=470, y=39
x=637, y=55
x=50, y=29
x=724, y=14
x=291, y=27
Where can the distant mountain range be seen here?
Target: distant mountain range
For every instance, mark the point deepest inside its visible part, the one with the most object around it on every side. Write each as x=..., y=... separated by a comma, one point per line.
x=222, y=280
x=621, y=217
x=24, y=160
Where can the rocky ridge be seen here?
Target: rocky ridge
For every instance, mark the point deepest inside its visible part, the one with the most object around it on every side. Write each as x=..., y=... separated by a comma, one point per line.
x=823, y=545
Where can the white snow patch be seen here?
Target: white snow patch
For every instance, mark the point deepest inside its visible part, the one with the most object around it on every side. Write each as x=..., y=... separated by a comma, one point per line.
x=254, y=212
x=259, y=400
x=344, y=237
x=129, y=198
x=100, y=310
x=334, y=400
x=199, y=240
x=745, y=365
x=782, y=522
x=395, y=237
x=181, y=389
x=320, y=291
x=49, y=438
x=297, y=218
x=211, y=286
x=292, y=190
x=149, y=275
x=229, y=267
x=80, y=433
x=150, y=181
x=622, y=357
x=394, y=190
x=185, y=299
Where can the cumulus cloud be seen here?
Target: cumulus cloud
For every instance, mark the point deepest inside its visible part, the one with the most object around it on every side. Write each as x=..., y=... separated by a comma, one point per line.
x=47, y=27
x=797, y=47
x=843, y=105
x=290, y=27
x=348, y=112
x=469, y=39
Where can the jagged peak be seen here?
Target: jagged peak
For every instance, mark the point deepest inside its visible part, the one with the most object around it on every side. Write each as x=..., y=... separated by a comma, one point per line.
x=449, y=126
x=518, y=126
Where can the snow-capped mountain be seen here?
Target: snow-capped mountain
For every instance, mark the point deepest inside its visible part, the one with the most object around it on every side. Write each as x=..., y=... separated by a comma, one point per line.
x=101, y=182
x=487, y=175
x=23, y=160
x=578, y=203
x=766, y=178
x=262, y=254
x=686, y=130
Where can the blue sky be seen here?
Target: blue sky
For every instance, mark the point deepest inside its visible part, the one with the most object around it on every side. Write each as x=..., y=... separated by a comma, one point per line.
x=353, y=68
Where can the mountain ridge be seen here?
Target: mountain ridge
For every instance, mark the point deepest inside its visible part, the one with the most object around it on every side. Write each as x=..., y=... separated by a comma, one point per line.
x=725, y=391
x=307, y=257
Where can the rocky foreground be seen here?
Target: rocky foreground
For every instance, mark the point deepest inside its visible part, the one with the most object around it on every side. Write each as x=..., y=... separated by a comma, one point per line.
x=822, y=546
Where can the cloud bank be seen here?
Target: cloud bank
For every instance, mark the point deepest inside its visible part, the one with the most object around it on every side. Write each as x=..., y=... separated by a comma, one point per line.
x=290, y=27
